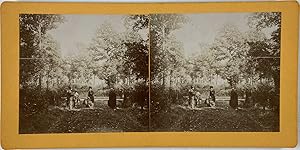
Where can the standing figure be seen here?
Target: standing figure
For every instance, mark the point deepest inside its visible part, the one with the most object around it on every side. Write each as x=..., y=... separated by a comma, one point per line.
x=76, y=98
x=91, y=94
x=212, y=93
x=192, y=97
x=233, y=99
x=125, y=98
x=112, y=99
x=69, y=97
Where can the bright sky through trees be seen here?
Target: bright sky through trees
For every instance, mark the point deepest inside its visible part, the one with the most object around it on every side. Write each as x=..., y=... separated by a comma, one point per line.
x=77, y=31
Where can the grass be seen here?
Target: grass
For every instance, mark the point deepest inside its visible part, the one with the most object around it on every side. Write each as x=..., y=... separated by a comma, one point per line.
x=176, y=118
x=218, y=119
x=100, y=119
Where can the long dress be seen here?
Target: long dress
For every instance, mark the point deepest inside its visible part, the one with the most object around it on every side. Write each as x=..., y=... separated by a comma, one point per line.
x=212, y=95
x=192, y=98
x=112, y=99
x=233, y=99
x=70, y=99
x=91, y=95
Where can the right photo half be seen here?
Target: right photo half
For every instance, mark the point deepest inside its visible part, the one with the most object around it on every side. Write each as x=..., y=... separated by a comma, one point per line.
x=215, y=72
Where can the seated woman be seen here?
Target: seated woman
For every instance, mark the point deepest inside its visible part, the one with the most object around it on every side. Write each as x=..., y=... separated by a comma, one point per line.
x=89, y=101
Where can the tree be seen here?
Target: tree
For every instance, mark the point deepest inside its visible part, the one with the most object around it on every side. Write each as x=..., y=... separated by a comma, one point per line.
x=230, y=50
x=37, y=48
x=39, y=59
x=165, y=50
x=137, y=22
x=121, y=55
x=266, y=52
x=166, y=57
x=137, y=53
x=107, y=51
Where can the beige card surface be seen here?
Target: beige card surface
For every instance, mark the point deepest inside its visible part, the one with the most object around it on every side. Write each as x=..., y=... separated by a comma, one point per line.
x=218, y=74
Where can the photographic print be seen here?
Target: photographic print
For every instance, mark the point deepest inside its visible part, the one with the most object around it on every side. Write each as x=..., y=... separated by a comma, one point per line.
x=83, y=73
x=212, y=72
x=215, y=72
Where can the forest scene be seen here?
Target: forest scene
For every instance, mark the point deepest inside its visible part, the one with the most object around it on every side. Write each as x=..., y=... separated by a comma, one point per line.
x=96, y=84
x=215, y=72
x=155, y=72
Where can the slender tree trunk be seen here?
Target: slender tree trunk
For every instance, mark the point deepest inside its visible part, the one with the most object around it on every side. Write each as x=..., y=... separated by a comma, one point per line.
x=171, y=80
x=57, y=82
x=170, y=88
x=40, y=82
x=94, y=80
x=47, y=83
x=276, y=78
x=164, y=79
x=129, y=80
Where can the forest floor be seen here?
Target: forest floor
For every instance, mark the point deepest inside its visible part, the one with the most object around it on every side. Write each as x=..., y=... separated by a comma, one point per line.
x=101, y=118
x=221, y=118
x=177, y=118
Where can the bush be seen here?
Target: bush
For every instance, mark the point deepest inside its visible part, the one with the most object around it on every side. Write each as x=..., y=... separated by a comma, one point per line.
x=264, y=94
x=141, y=94
x=34, y=99
x=158, y=97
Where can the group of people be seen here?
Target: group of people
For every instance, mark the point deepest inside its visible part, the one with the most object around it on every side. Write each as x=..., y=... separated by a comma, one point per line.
x=195, y=98
x=73, y=99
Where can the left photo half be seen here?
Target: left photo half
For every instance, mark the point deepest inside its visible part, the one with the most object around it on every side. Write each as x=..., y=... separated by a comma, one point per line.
x=83, y=73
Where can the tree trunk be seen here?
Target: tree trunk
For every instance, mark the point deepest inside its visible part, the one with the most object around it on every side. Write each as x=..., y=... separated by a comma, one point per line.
x=94, y=80
x=276, y=79
x=170, y=88
x=276, y=103
x=40, y=83
x=47, y=83
x=129, y=80
x=47, y=80
x=171, y=76
x=164, y=79
x=57, y=82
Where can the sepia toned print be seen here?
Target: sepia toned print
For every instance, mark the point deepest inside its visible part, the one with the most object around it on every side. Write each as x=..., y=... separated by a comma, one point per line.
x=83, y=73
x=208, y=73
x=216, y=72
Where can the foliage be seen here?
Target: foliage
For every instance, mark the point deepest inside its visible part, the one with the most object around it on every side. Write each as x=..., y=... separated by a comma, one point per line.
x=36, y=43
x=230, y=51
x=165, y=49
x=39, y=62
x=267, y=52
x=121, y=55
x=120, y=59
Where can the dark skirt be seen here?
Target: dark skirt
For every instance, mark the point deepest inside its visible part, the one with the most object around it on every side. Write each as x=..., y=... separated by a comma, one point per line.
x=234, y=102
x=112, y=100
